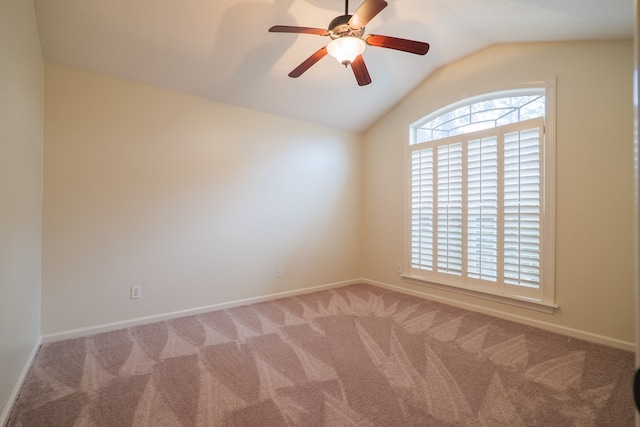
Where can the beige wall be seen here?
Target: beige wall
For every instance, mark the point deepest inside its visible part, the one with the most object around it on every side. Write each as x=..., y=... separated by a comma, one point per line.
x=199, y=202
x=594, y=221
x=21, y=121
x=195, y=201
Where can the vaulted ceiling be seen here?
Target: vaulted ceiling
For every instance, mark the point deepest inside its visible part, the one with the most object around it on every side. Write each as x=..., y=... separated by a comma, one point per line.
x=222, y=50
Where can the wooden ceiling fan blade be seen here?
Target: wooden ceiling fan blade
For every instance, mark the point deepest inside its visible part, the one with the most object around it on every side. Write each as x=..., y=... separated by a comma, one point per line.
x=360, y=71
x=307, y=63
x=404, y=45
x=298, y=30
x=366, y=12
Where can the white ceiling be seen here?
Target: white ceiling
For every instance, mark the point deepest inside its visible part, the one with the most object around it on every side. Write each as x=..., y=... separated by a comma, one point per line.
x=221, y=49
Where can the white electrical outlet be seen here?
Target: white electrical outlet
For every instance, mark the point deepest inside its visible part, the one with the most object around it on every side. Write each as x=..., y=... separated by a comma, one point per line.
x=278, y=273
x=399, y=269
x=136, y=291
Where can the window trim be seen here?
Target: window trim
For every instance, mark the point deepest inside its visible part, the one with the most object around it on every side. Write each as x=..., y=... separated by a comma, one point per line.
x=547, y=303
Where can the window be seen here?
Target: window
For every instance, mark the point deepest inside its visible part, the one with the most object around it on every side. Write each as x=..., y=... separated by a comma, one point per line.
x=481, y=196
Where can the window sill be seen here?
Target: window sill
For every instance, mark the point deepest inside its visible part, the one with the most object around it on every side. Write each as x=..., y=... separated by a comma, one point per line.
x=530, y=304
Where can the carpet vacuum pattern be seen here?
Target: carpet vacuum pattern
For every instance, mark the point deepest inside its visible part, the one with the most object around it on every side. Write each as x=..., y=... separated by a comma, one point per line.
x=352, y=356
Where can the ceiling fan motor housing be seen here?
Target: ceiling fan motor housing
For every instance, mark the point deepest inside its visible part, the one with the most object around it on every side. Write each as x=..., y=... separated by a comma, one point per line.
x=339, y=27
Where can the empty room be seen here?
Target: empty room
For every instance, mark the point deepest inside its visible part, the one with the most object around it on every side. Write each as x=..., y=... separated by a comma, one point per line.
x=317, y=212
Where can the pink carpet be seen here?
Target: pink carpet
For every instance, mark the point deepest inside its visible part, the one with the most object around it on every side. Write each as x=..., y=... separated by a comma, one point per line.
x=353, y=356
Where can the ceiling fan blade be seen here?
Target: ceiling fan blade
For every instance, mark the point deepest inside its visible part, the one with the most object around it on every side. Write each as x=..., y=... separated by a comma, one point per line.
x=365, y=13
x=298, y=30
x=307, y=63
x=404, y=45
x=360, y=71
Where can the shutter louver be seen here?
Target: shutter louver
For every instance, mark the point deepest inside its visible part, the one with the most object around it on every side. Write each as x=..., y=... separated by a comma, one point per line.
x=422, y=209
x=449, y=205
x=482, y=209
x=522, y=204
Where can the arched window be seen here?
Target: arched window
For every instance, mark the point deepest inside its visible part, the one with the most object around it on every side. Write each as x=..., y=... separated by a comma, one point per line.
x=481, y=196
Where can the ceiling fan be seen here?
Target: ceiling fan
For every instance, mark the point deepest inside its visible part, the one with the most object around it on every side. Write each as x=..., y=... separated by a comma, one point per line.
x=348, y=40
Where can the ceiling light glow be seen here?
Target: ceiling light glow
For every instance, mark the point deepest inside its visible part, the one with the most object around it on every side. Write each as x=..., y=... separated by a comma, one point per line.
x=346, y=49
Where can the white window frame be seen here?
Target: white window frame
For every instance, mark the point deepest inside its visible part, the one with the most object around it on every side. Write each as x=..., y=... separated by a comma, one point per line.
x=544, y=300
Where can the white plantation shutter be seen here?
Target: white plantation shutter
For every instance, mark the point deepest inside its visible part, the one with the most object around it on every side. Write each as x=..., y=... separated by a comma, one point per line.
x=449, y=219
x=482, y=209
x=477, y=210
x=522, y=204
x=422, y=209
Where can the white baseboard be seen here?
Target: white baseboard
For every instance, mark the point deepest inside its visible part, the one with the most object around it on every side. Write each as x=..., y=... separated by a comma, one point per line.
x=4, y=418
x=91, y=330
x=575, y=333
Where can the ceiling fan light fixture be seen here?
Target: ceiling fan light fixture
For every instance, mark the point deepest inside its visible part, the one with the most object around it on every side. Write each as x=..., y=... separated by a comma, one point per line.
x=346, y=49
x=348, y=41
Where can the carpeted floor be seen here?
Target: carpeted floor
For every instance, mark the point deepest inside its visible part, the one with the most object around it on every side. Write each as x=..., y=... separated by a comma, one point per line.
x=353, y=356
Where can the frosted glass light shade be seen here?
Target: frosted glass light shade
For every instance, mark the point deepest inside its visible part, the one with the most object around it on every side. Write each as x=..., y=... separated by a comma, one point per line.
x=345, y=49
